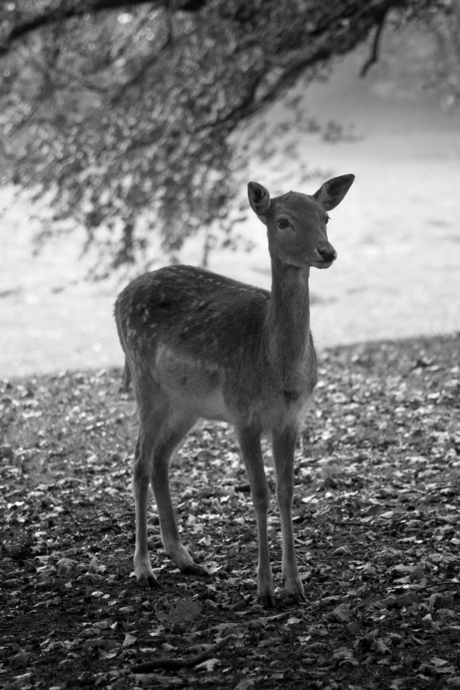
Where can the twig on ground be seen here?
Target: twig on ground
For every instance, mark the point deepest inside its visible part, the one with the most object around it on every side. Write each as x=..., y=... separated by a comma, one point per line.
x=176, y=664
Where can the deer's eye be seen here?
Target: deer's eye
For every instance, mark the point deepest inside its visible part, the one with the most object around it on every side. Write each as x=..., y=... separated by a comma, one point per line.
x=282, y=223
x=327, y=219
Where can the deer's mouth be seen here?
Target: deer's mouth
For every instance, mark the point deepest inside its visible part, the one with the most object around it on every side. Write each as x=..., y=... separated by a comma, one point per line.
x=323, y=264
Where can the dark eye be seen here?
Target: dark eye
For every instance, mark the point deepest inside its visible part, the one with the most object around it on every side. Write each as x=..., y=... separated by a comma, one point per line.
x=327, y=219
x=282, y=223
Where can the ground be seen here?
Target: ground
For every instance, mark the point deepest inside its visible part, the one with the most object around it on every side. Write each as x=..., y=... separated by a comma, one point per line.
x=376, y=521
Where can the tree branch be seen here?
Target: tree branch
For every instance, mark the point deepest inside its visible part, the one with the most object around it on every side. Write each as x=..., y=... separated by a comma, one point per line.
x=374, y=56
x=79, y=9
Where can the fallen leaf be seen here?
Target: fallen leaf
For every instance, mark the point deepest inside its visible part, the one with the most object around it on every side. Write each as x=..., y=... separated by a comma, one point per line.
x=208, y=665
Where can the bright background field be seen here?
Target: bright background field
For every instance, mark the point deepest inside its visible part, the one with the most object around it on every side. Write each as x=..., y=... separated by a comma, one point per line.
x=397, y=236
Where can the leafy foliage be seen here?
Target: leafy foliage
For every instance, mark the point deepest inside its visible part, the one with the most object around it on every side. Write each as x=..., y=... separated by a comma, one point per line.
x=123, y=120
x=376, y=521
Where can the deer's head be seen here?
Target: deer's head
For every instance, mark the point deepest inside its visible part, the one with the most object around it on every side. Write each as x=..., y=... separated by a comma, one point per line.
x=296, y=223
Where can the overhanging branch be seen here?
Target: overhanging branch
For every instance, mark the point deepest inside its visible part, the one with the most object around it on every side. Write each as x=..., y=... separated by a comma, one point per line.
x=374, y=56
x=79, y=9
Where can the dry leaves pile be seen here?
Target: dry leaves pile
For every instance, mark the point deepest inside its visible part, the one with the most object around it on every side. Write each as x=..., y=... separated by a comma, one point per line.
x=377, y=526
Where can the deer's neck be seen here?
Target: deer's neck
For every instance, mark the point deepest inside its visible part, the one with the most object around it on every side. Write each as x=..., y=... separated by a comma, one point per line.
x=288, y=325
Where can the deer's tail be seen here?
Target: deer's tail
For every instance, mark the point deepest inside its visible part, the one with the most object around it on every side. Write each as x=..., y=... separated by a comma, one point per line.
x=126, y=382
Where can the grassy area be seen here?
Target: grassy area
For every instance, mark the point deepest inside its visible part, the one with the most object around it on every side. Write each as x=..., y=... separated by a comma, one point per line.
x=376, y=523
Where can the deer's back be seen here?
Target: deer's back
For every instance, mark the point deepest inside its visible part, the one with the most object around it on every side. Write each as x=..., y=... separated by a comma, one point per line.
x=194, y=310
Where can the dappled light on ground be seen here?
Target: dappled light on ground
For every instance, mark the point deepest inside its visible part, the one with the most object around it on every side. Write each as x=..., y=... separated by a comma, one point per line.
x=376, y=525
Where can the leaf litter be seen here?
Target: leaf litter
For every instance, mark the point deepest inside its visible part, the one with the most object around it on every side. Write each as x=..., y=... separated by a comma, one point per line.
x=377, y=528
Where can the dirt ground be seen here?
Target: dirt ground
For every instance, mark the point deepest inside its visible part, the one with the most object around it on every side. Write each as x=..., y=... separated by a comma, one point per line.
x=376, y=522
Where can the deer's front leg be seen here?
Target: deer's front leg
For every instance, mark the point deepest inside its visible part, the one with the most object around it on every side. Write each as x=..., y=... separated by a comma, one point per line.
x=283, y=454
x=250, y=448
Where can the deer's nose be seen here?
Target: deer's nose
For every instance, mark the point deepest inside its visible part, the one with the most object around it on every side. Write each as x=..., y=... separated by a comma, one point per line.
x=327, y=253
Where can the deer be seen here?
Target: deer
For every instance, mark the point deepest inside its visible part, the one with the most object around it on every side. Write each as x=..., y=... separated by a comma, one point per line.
x=201, y=345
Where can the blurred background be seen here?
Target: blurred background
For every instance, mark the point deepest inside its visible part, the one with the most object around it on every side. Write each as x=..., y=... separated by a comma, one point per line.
x=128, y=137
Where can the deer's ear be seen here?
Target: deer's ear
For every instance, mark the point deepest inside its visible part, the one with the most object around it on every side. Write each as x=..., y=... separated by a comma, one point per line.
x=259, y=198
x=331, y=193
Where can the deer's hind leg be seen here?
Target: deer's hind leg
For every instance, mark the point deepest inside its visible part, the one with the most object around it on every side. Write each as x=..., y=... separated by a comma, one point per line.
x=178, y=423
x=161, y=429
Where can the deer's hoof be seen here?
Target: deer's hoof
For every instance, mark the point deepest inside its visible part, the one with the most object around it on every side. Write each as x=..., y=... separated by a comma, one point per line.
x=148, y=580
x=268, y=600
x=294, y=593
x=291, y=599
